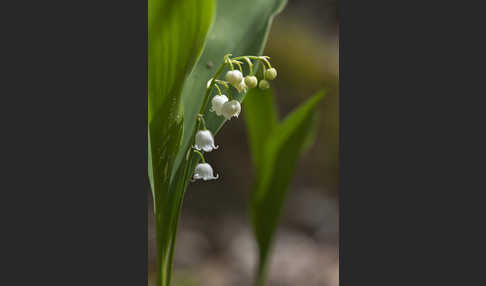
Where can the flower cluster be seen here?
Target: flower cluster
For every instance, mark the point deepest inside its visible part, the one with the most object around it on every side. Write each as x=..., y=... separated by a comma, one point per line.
x=227, y=106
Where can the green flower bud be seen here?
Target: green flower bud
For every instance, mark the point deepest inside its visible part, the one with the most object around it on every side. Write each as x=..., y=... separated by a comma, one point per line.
x=264, y=84
x=251, y=81
x=270, y=74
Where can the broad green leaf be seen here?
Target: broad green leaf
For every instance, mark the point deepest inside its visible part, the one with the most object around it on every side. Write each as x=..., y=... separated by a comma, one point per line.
x=176, y=34
x=278, y=153
x=240, y=28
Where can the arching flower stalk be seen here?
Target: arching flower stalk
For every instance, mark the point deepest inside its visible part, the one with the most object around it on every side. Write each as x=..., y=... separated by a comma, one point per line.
x=224, y=105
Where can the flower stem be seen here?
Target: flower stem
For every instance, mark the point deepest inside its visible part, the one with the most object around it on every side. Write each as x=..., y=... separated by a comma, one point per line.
x=227, y=87
x=228, y=60
x=267, y=62
x=208, y=90
x=219, y=90
x=239, y=65
x=262, y=58
x=200, y=154
x=201, y=118
x=250, y=65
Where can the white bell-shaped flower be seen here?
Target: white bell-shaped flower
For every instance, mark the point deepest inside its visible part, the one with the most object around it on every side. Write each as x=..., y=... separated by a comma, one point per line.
x=241, y=86
x=205, y=141
x=204, y=171
x=231, y=108
x=217, y=103
x=234, y=77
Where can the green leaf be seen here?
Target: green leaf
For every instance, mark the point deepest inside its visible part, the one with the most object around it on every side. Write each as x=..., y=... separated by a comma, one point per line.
x=176, y=35
x=277, y=154
x=261, y=119
x=241, y=28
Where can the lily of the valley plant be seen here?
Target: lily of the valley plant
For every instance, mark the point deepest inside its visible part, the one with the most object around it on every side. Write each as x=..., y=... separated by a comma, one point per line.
x=225, y=105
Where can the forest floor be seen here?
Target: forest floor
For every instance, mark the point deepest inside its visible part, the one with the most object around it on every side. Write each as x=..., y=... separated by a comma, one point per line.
x=221, y=251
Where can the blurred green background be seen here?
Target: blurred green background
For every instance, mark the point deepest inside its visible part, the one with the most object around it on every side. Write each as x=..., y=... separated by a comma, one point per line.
x=215, y=245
